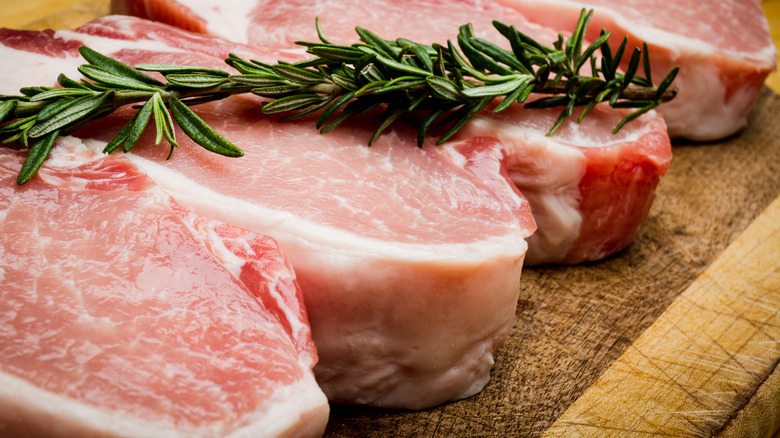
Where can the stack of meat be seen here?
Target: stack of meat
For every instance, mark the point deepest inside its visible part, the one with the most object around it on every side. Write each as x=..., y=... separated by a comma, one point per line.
x=408, y=259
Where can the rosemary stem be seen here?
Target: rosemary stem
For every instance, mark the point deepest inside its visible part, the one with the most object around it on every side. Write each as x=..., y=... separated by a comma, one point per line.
x=631, y=92
x=120, y=98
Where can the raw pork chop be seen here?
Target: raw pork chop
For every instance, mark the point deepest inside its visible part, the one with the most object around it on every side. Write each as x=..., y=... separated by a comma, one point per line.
x=122, y=314
x=590, y=191
x=409, y=259
x=723, y=47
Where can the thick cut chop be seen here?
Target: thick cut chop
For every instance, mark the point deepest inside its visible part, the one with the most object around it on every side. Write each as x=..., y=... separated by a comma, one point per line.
x=409, y=258
x=590, y=191
x=123, y=314
x=723, y=47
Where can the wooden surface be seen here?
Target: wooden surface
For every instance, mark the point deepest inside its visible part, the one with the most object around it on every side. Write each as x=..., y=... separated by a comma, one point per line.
x=676, y=336
x=705, y=358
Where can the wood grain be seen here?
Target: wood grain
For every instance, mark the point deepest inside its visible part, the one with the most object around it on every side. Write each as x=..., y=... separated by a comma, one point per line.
x=677, y=335
x=704, y=359
x=54, y=14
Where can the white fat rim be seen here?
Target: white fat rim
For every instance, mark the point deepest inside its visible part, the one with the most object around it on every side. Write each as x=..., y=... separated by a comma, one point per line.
x=278, y=223
x=286, y=407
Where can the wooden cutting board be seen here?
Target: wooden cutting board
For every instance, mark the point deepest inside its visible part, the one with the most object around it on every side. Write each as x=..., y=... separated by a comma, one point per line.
x=679, y=335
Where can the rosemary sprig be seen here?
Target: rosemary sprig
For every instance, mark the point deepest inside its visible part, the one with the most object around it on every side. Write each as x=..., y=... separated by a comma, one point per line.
x=448, y=83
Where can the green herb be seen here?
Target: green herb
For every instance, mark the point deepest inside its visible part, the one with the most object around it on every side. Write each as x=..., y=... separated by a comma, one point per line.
x=448, y=84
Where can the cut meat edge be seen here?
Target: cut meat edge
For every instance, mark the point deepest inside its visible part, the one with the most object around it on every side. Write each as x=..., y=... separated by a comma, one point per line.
x=589, y=193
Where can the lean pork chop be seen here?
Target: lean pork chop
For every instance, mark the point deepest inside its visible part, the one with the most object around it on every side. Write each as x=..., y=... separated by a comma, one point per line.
x=723, y=47
x=122, y=314
x=590, y=191
x=409, y=258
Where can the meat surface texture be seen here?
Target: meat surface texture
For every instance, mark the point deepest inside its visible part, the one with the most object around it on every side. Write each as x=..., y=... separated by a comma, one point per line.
x=589, y=190
x=123, y=314
x=409, y=258
x=723, y=47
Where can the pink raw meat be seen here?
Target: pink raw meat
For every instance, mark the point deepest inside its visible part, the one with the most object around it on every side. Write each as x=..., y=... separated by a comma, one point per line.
x=122, y=314
x=279, y=24
x=724, y=49
x=409, y=259
x=590, y=191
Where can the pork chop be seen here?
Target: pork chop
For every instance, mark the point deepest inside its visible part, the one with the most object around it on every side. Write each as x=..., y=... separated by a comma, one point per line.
x=123, y=314
x=590, y=189
x=723, y=47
